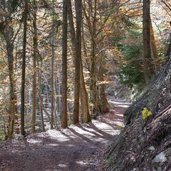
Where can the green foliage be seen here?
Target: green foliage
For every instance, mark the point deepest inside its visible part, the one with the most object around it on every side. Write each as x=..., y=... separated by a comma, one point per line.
x=146, y=113
x=131, y=52
x=108, y=161
x=14, y=5
x=131, y=71
x=115, y=40
x=131, y=75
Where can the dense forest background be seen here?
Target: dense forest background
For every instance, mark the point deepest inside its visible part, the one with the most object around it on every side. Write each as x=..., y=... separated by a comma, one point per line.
x=60, y=61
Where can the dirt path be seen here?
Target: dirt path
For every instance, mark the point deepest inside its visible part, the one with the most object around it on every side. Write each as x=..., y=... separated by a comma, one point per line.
x=77, y=148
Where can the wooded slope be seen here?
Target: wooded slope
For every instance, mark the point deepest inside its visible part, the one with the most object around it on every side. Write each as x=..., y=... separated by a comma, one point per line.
x=145, y=144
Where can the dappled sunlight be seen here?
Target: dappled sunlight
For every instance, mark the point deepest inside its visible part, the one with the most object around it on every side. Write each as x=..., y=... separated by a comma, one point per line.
x=119, y=103
x=119, y=114
x=54, y=134
x=34, y=141
x=83, y=162
x=81, y=131
x=53, y=144
x=78, y=146
x=62, y=165
x=105, y=127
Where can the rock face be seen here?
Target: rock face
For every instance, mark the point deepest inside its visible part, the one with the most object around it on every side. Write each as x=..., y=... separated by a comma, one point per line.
x=145, y=144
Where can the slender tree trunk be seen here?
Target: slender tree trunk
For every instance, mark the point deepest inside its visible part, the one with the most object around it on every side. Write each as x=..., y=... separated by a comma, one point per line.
x=40, y=96
x=148, y=66
x=84, y=98
x=64, y=118
x=23, y=68
x=93, y=77
x=8, y=33
x=35, y=47
x=52, y=86
x=52, y=70
x=13, y=97
x=78, y=8
x=104, y=105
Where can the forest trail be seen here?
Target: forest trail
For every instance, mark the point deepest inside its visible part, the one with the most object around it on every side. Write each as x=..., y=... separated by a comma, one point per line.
x=77, y=148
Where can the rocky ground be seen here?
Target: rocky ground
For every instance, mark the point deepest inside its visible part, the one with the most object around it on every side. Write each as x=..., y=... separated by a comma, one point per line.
x=77, y=148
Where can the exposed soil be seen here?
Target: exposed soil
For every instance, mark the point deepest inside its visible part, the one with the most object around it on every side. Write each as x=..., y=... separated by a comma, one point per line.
x=77, y=148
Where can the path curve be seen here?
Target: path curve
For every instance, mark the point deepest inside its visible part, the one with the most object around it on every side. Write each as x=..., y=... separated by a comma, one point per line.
x=77, y=148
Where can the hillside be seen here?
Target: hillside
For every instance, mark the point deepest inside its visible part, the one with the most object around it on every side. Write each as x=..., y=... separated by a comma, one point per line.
x=145, y=143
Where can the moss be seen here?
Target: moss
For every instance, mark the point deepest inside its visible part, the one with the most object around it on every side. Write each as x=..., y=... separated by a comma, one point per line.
x=108, y=162
x=146, y=113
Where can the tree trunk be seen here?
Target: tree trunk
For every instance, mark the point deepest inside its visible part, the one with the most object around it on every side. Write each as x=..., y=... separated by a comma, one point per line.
x=78, y=8
x=8, y=33
x=13, y=97
x=104, y=105
x=23, y=68
x=148, y=64
x=84, y=98
x=40, y=96
x=35, y=47
x=52, y=88
x=64, y=118
x=52, y=67
x=93, y=70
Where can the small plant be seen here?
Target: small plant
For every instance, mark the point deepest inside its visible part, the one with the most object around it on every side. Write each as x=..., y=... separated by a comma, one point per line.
x=146, y=113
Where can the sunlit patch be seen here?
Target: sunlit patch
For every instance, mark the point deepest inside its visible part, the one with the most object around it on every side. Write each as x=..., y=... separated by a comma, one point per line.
x=119, y=124
x=82, y=162
x=120, y=103
x=53, y=145
x=118, y=114
x=106, y=128
x=56, y=135
x=34, y=141
x=81, y=131
x=101, y=125
x=62, y=165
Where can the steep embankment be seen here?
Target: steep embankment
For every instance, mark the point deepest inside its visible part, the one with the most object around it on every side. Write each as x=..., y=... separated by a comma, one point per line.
x=145, y=144
x=141, y=147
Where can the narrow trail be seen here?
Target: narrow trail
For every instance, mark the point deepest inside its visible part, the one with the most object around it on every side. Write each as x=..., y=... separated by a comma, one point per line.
x=77, y=148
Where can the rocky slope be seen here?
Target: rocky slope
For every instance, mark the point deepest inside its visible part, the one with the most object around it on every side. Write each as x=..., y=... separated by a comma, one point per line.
x=145, y=143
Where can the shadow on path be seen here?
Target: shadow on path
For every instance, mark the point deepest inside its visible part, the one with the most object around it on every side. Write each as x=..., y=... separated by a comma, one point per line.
x=76, y=148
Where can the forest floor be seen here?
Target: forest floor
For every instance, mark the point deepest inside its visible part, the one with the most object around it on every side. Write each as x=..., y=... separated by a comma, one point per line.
x=77, y=148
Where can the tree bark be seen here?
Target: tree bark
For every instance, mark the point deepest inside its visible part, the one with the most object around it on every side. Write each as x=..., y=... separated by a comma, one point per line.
x=40, y=96
x=52, y=71
x=93, y=69
x=78, y=8
x=23, y=68
x=8, y=33
x=64, y=118
x=84, y=98
x=13, y=97
x=104, y=105
x=83, y=92
x=35, y=47
x=148, y=64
